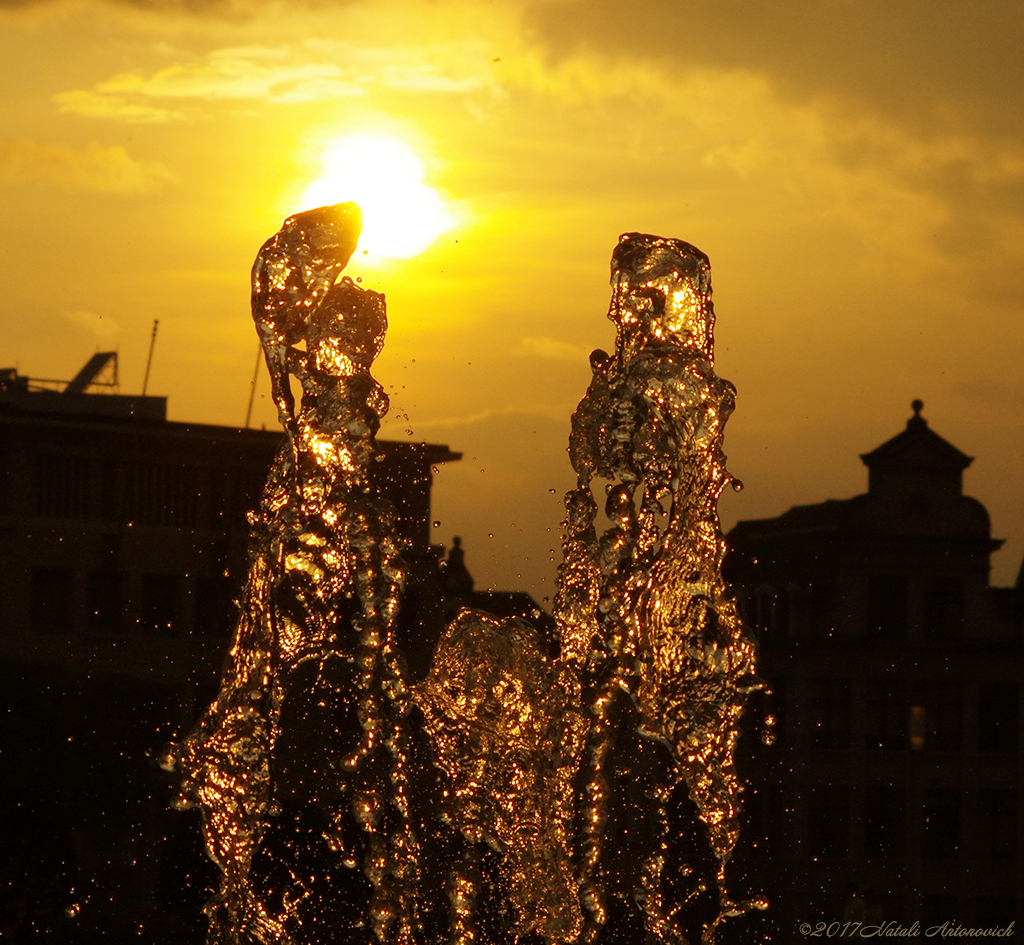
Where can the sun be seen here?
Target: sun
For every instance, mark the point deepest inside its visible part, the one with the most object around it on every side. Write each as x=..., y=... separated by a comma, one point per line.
x=402, y=216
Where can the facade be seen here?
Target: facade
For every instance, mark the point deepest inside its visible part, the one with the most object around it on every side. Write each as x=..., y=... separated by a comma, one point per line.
x=123, y=541
x=892, y=790
x=123, y=536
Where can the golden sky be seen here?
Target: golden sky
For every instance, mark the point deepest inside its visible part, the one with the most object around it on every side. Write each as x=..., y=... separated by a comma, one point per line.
x=854, y=169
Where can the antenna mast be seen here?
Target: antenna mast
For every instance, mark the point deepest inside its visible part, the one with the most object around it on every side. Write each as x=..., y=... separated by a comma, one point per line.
x=149, y=360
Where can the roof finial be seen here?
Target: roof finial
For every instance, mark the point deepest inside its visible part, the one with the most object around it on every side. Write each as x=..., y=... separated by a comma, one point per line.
x=917, y=422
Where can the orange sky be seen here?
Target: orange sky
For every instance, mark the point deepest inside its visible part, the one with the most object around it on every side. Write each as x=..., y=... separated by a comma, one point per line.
x=854, y=169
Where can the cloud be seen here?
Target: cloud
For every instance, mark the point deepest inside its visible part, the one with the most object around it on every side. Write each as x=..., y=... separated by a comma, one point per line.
x=312, y=71
x=111, y=170
x=822, y=159
x=893, y=185
x=102, y=328
x=524, y=413
x=553, y=350
x=97, y=103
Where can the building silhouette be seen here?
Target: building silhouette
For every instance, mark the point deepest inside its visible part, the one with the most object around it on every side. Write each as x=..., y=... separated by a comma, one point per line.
x=891, y=792
x=123, y=543
x=893, y=788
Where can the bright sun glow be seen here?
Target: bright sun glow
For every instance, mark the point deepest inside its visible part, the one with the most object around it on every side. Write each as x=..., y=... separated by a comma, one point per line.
x=402, y=216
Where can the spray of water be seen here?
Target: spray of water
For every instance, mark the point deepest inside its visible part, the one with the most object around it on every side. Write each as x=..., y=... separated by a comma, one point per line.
x=642, y=608
x=548, y=785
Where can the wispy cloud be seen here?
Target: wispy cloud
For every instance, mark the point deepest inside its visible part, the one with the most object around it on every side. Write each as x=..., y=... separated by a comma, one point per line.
x=306, y=72
x=111, y=170
x=553, y=350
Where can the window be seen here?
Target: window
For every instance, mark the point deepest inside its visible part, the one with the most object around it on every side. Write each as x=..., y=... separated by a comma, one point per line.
x=886, y=714
x=246, y=495
x=994, y=911
x=937, y=715
x=998, y=716
x=5, y=480
x=830, y=713
x=943, y=611
x=996, y=824
x=823, y=594
x=62, y=487
x=941, y=810
x=828, y=820
x=937, y=909
x=161, y=602
x=884, y=821
x=766, y=820
x=216, y=612
x=887, y=606
x=53, y=600
x=160, y=494
x=771, y=610
x=104, y=601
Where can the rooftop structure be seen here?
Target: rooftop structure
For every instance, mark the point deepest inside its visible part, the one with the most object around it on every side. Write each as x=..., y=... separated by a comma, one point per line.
x=895, y=674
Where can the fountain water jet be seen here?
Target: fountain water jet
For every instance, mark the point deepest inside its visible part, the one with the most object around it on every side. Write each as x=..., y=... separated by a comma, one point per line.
x=518, y=755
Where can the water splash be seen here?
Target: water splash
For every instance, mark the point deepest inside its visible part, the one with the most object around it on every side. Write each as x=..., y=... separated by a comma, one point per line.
x=323, y=589
x=525, y=764
x=508, y=730
x=642, y=609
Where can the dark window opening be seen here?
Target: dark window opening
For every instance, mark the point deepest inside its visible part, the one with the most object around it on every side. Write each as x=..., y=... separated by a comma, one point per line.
x=994, y=911
x=941, y=837
x=766, y=818
x=161, y=602
x=53, y=597
x=159, y=494
x=828, y=820
x=216, y=612
x=887, y=606
x=823, y=595
x=998, y=716
x=884, y=822
x=62, y=487
x=830, y=713
x=936, y=715
x=104, y=601
x=772, y=611
x=938, y=909
x=996, y=826
x=246, y=494
x=886, y=714
x=943, y=610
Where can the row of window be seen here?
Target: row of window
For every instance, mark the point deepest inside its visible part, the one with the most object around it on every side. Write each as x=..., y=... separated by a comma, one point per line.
x=60, y=604
x=81, y=488
x=894, y=714
x=887, y=607
x=882, y=826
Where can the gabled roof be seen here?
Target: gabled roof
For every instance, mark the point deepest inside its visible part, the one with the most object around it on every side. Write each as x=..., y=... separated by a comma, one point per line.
x=917, y=447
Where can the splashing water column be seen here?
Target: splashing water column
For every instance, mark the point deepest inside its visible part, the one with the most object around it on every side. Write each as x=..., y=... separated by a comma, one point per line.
x=522, y=824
